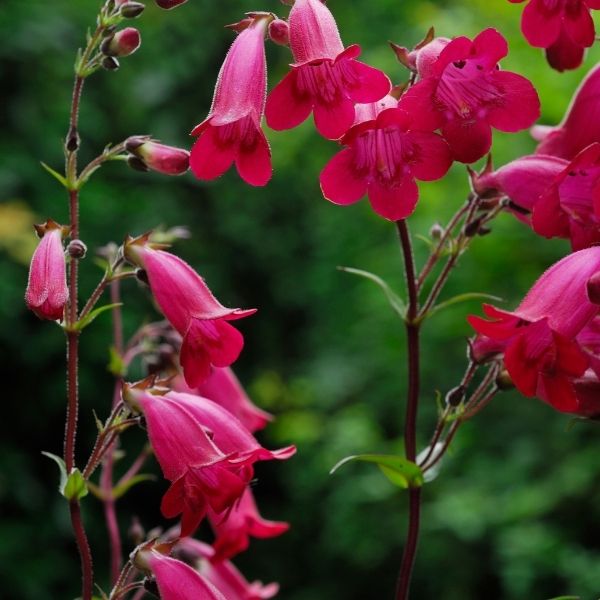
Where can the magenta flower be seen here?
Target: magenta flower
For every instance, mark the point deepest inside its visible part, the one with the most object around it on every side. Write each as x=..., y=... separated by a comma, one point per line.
x=232, y=130
x=233, y=531
x=563, y=27
x=161, y=158
x=47, y=292
x=325, y=79
x=201, y=475
x=223, y=574
x=580, y=126
x=178, y=581
x=122, y=43
x=465, y=95
x=186, y=301
x=383, y=157
x=541, y=350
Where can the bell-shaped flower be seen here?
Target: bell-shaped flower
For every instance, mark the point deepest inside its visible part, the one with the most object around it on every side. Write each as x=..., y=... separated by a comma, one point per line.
x=384, y=155
x=465, y=95
x=47, y=292
x=232, y=130
x=563, y=27
x=178, y=581
x=325, y=78
x=580, y=126
x=201, y=474
x=541, y=350
x=222, y=573
x=243, y=521
x=186, y=301
x=224, y=388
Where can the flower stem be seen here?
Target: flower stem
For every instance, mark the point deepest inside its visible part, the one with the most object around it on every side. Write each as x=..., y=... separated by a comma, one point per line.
x=410, y=424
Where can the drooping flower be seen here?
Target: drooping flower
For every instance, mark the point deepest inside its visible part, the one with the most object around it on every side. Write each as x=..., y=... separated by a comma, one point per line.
x=178, y=581
x=465, y=95
x=223, y=574
x=581, y=125
x=244, y=521
x=201, y=475
x=224, y=388
x=232, y=130
x=563, y=27
x=47, y=291
x=186, y=301
x=384, y=155
x=161, y=158
x=541, y=350
x=325, y=79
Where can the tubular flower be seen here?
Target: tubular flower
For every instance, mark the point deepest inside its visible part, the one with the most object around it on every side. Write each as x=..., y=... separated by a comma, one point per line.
x=242, y=522
x=178, y=581
x=563, y=27
x=161, y=158
x=580, y=126
x=186, y=301
x=465, y=95
x=223, y=574
x=232, y=130
x=384, y=155
x=201, y=475
x=541, y=350
x=325, y=79
x=47, y=291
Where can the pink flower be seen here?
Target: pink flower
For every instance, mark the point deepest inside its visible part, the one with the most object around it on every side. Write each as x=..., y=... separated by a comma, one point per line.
x=178, y=581
x=232, y=130
x=325, y=79
x=563, y=27
x=200, y=473
x=122, y=43
x=47, y=291
x=384, y=155
x=223, y=574
x=186, y=301
x=224, y=388
x=541, y=351
x=233, y=531
x=465, y=95
x=159, y=157
x=581, y=125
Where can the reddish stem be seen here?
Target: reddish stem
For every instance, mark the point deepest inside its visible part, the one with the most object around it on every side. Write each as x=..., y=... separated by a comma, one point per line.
x=84, y=550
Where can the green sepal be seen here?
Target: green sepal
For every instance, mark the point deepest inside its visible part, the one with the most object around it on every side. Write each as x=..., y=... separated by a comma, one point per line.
x=399, y=470
x=83, y=323
x=61, y=467
x=116, y=366
x=76, y=486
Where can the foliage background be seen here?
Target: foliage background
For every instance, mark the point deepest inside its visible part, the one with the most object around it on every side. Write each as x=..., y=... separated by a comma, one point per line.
x=516, y=512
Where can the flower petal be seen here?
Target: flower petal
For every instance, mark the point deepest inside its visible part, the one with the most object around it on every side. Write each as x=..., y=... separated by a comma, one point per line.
x=209, y=158
x=520, y=106
x=395, y=202
x=333, y=120
x=433, y=156
x=286, y=108
x=254, y=162
x=468, y=140
x=340, y=182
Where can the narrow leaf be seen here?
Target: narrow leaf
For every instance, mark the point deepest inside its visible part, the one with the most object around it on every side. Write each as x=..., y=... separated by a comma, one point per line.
x=122, y=489
x=60, y=178
x=399, y=470
x=462, y=298
x=82, y=323
x=76, y=487
x=62, y=468
x=395, y=301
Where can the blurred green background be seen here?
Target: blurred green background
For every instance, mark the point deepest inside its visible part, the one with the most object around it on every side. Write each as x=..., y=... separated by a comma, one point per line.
x=515, y=513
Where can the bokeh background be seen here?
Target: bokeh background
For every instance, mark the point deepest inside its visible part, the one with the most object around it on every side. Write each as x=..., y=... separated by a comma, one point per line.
x=515, y=513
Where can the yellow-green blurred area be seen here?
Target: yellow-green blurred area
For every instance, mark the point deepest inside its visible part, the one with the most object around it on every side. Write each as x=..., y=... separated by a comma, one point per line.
x=515, y=512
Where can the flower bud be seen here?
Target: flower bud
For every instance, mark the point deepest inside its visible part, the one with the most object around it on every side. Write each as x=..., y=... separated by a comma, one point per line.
x=123, y=43
x=279, y=32
x=504, y=381
x=159, y=157
x=168, y=4
x=137, y=164
x=436, y=232
x=76, y=249
x=131, y=10
x=72, y=140
x=110, y=63
x=455, y=396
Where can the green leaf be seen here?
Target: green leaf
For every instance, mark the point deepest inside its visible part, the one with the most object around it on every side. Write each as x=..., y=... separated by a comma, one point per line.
x=461, y=298
x=395, y=301
x=566, y=598
x=122, y=489
x=60, y=178
x=399, y=470
x=75, y=487
x=116, y=366
x=62, y=468
x=83, y=323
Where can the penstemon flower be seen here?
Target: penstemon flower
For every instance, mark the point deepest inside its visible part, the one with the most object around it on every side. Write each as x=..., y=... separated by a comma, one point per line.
x=325, y=79
x=465, y=94
x=158, y=157
x=232, y=130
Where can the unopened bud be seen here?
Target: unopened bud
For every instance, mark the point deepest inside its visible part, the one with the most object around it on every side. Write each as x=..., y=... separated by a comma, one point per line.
x=169, y=4
x=161, y=158
x=72, y=140
x=131, y=10
x=593, y=288
x=436, y=231
x=142, y=275
x=455, y=396
x=76, y=249
x=110, y=63
x=279, y=32
x=123, y=43
x=137, y=164
x=504, y=381
x=109, y=31
x=472, y=228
